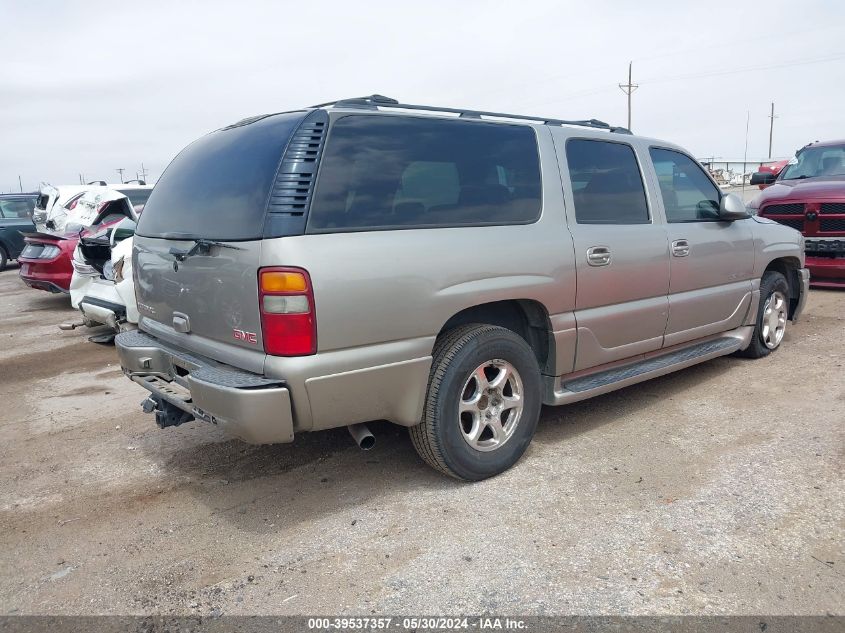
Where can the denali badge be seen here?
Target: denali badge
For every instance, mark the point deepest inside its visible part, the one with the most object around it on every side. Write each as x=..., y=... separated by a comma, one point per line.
x=249, y=337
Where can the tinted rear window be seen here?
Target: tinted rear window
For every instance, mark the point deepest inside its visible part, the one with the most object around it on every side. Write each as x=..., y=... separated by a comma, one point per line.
x=402, y=172
x=218, y=186
x=606, y=183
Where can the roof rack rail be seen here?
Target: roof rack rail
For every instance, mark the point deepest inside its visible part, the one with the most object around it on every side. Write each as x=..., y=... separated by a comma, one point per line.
x=373, y=102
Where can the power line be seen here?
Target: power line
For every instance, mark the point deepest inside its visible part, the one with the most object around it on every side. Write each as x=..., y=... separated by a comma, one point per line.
x=780, y=36
x=718, y=73
x=604, y=89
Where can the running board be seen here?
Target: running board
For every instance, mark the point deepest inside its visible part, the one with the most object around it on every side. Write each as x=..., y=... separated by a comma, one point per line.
x=583, y=387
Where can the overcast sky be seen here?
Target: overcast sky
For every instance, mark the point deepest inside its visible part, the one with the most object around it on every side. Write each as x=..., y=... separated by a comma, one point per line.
x=89, y=87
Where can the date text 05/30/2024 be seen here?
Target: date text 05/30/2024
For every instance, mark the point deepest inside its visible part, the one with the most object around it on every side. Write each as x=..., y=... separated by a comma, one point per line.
x=412, y=623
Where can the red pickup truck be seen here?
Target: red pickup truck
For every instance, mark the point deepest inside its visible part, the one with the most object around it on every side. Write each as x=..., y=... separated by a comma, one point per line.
x=773, y=168
x=809, y=195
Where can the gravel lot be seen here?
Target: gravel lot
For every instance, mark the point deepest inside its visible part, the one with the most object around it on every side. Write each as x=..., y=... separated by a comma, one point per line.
x=718, y=489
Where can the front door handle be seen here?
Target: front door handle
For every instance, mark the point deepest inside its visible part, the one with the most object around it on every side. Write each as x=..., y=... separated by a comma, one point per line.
x=598, y=256
x=680, y=248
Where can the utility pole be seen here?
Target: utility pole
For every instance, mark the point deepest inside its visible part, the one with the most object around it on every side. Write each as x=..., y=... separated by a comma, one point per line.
x=143, y=173
x=120, y=170
x=628, y=88
x=771, y=128
x=20, y=183
x=745, y=155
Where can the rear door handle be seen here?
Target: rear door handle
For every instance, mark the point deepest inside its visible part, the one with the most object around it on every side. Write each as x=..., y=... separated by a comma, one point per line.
x=598, y=256
x=680, y=248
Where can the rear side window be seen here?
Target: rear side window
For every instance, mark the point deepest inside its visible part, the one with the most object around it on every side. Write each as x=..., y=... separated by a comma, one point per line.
x=606, y=183
x=16, y=209
x=384, y=172
x=218, y=187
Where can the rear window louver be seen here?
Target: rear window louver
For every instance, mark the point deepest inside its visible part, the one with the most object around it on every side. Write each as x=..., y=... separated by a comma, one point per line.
x=294, y=184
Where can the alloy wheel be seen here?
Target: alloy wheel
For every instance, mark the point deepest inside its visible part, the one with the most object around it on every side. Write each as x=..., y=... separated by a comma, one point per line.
x=491, y=405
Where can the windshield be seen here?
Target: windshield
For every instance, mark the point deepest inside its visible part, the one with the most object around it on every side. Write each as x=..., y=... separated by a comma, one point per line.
x=813, y=162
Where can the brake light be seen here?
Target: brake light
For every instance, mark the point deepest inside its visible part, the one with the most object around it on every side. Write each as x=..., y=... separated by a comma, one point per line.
x=286, y=302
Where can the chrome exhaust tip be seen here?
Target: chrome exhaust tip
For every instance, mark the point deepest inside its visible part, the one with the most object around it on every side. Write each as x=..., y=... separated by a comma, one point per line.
x=362, y=436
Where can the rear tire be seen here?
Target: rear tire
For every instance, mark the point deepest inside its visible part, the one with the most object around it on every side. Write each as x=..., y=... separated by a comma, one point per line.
x=772, y=316
x=4, y=258
x=482, y=405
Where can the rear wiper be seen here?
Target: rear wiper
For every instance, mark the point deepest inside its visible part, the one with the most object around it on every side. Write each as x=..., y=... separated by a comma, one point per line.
x=200, y=247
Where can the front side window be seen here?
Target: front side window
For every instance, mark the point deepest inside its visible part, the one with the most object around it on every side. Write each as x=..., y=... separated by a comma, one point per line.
x=389, y=172
x=688, y=194
x=606, y=183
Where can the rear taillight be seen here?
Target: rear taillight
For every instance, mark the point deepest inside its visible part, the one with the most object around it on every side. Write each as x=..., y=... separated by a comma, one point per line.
x=286, y=301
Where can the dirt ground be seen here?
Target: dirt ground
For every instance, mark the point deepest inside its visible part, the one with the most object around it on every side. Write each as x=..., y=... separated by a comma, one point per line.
x=716, y=490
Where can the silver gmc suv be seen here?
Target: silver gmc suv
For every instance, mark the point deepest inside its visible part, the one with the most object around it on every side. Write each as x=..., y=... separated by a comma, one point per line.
x=446, y=270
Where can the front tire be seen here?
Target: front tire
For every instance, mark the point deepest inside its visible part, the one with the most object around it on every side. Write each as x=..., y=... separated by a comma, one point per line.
x=482, y=405
x=772, y=315
x=4, y=259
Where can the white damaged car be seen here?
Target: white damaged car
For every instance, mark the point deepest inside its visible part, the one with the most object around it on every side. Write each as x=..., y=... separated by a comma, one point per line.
x=67, y=207
x=102, y=288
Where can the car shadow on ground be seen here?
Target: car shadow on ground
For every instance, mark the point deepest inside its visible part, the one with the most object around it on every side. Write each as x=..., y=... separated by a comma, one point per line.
x=48, y=301
x=271, y=488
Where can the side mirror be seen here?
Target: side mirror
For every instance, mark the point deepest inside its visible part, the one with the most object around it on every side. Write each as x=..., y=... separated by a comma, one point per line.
x=763, y=178
x=731, y=208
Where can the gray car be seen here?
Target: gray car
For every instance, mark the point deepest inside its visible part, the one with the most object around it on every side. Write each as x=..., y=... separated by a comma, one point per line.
x=446, y=270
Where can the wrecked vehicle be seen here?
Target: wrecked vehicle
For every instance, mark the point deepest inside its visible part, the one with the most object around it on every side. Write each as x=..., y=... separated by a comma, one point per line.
x=101, y=287
x=50, y=196
x=47, y=258
x=79, y=204
x=83, y=207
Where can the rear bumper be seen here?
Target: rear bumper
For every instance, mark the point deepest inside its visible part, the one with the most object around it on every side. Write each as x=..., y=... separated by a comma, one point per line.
x=101, y=311
x=248, y=406
x=40, y=284
x=826, y=272
x=53, y=275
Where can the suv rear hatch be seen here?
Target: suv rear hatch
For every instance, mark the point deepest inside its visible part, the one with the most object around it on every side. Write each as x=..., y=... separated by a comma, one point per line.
x=198, y=242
